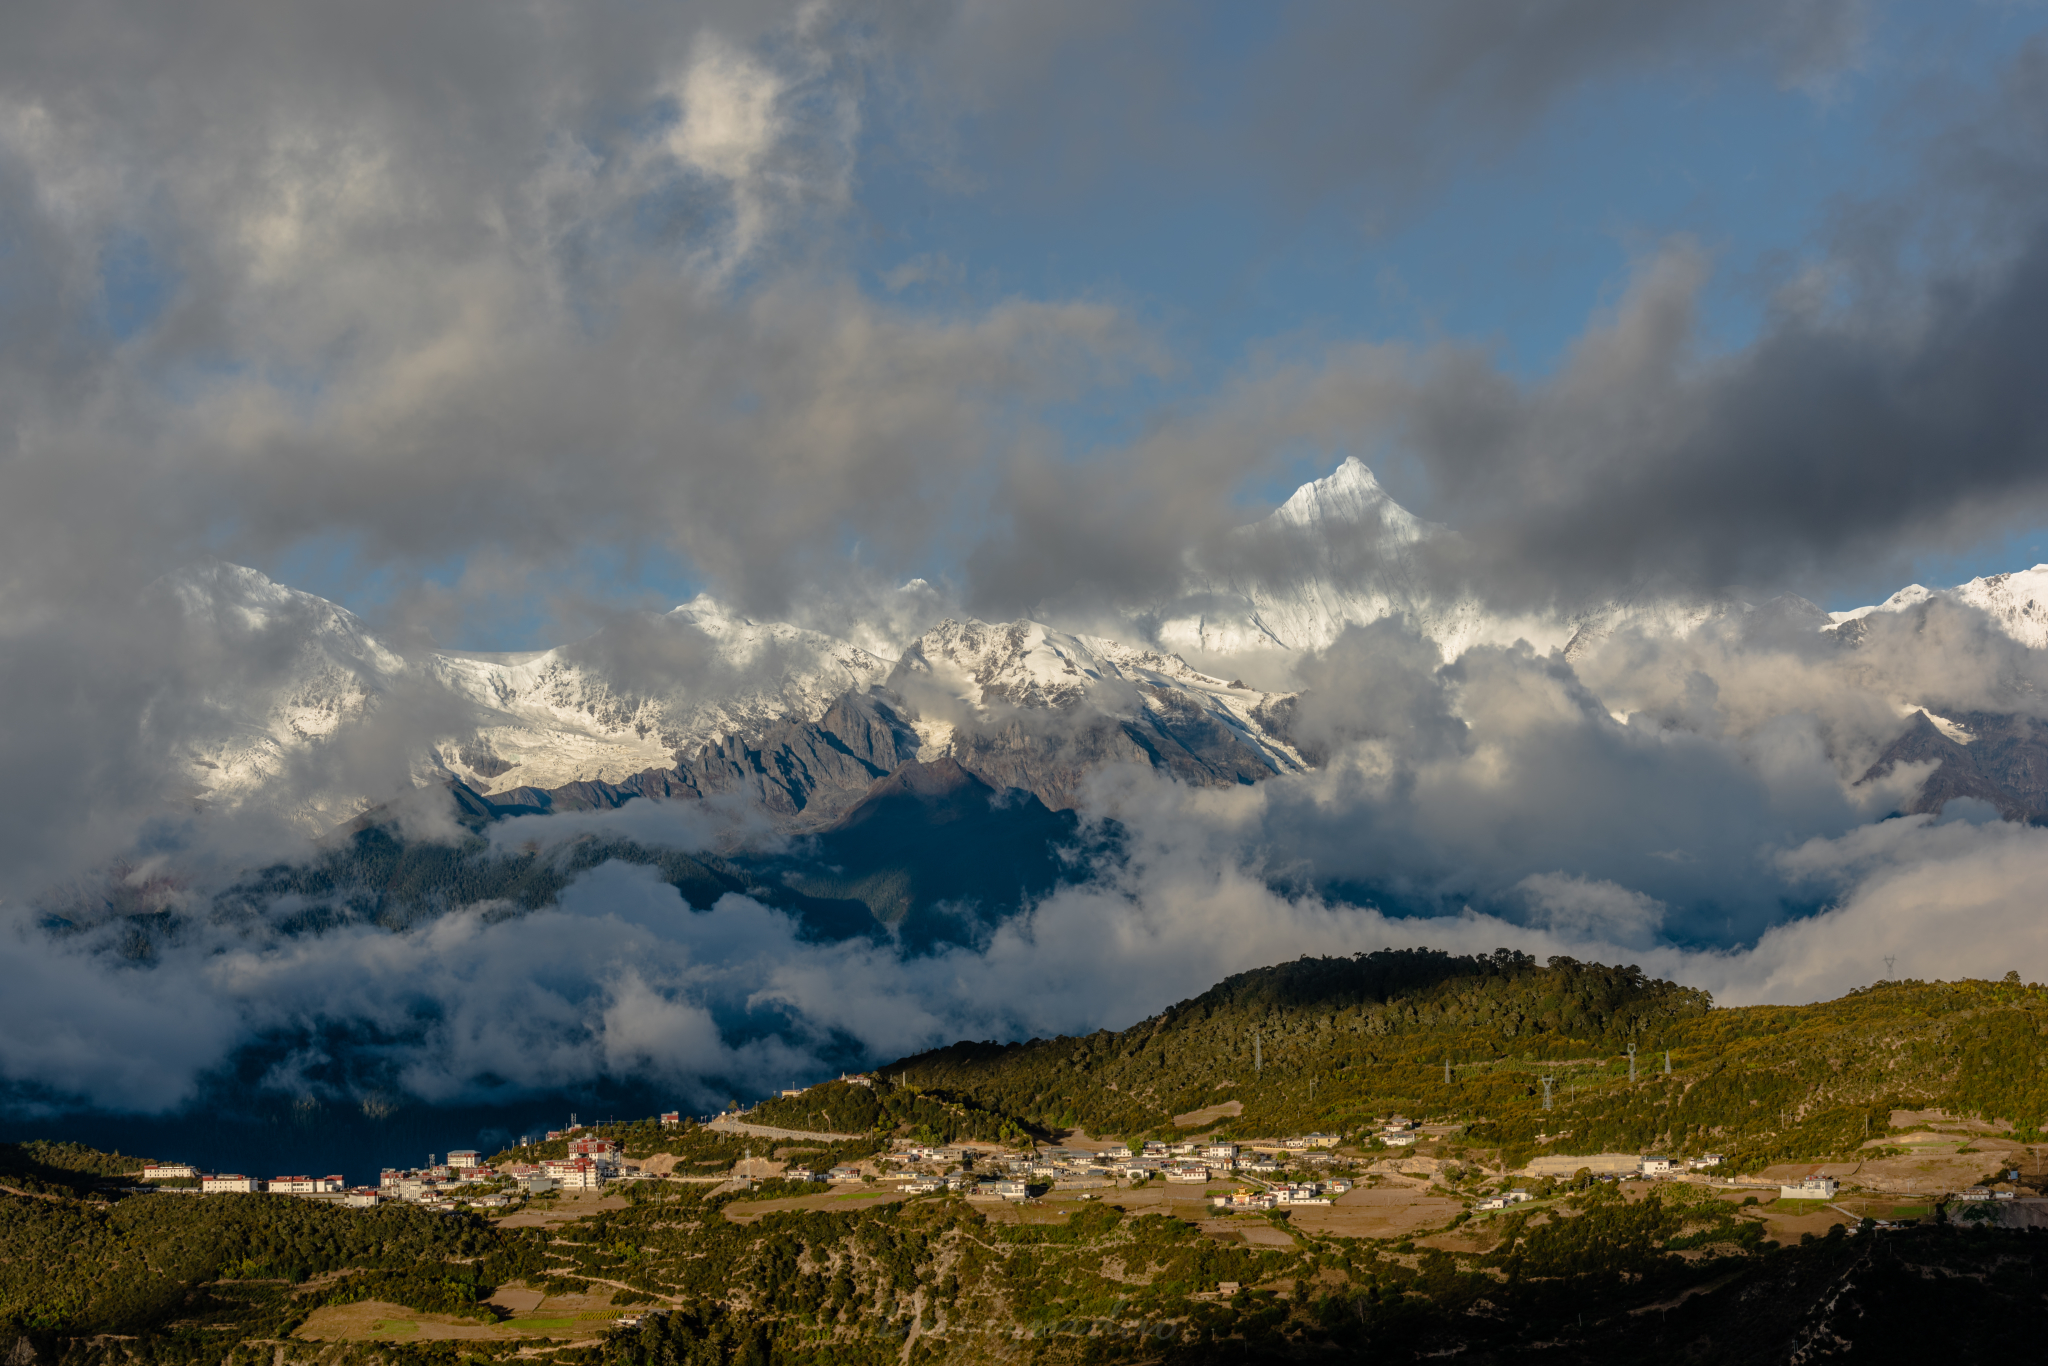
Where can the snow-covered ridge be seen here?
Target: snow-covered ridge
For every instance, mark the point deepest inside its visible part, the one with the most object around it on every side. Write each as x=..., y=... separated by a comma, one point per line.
x=1028, y=664
x=287, y=673
x=2017, y=603
x=623, y=701
x=632, y=696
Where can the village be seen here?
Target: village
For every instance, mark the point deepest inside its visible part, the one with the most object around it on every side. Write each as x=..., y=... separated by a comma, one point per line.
x=1300, y=1173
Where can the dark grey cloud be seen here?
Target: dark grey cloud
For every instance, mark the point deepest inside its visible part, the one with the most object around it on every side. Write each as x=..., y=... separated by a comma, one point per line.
x=1372, y=103
x=1888, y=408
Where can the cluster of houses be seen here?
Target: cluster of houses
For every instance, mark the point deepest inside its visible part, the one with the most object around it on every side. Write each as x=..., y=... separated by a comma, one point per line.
x=461, y=1180
x=458, y=1180
x=986, y=1176
x=590, y=1163
x=1282, y=1195
x=1669, y=1166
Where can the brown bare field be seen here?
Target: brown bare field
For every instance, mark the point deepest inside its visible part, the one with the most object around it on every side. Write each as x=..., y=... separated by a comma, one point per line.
x=838, y=1198
x=533, y=1316
x=1183, y=1202
x=1081, y=1138
x=1209, y=1114
x=574, y=1205
x=1786, y=1226
x=1377, y=1212
x=1246, y=1228
x=1931, y=1164
x=1941, y=1119
x=1472, y=1238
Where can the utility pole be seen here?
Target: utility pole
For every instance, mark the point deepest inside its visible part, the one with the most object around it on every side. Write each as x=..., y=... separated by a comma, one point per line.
x=1546, y=1093
x=1447, y=1071
x=1889, y=959
x=1631, y=1064
x=1258, y=1058
x=1667, y=1062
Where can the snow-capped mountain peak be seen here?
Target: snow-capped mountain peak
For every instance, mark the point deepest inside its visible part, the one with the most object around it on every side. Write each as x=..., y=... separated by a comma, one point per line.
x=1348, y=497
x=2017, y=603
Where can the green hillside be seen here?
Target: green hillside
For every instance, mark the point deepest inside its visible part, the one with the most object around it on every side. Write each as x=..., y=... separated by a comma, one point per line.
x=1589, y=1271
x=1338, y=1043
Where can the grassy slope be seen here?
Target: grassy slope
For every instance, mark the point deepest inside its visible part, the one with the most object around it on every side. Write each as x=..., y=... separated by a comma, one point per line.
x=191, y=1278
x=1343, y=1041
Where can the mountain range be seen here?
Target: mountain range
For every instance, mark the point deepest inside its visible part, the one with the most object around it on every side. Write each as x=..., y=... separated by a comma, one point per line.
x=704, y=701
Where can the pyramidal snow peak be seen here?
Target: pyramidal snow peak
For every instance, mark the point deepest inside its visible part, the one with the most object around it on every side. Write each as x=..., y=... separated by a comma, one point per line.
x=703, y=699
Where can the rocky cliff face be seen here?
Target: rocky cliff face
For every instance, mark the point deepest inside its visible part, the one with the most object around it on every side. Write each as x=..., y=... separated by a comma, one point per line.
x=2002, y=760
x=1029, y=707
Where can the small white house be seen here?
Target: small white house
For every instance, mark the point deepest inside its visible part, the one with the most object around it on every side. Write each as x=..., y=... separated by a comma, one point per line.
x=230, y=1183
x=1656, y=1166
x=1703, y=1162
x=1812, y=1188
x=1398, y=1138
x=1974, y=1193
x=462, y=1159
x=169, y=1171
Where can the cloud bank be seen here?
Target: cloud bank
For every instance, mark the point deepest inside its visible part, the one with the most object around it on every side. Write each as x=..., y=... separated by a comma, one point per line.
x=502, y=303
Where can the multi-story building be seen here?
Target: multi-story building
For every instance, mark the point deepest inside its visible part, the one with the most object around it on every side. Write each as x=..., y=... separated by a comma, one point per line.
x=230, y=1183
x=304, y=1185
x=169, y=1171
x=577, y=1173
x=462, y=1159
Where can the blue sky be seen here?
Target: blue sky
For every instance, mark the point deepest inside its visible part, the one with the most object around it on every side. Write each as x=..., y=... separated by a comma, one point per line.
x=1192, y=206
